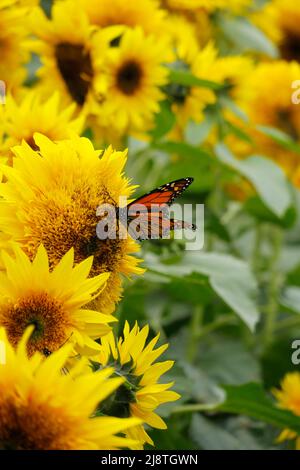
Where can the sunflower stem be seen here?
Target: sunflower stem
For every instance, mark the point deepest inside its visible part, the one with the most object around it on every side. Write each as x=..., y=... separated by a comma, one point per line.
x=290, y=322
x=195, y=328
x=218, y=323
x=273, y=289
x=195, y=407
x=256, y=253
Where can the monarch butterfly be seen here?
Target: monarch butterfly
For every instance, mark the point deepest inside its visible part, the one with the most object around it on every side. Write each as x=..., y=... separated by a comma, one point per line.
x=151, y=211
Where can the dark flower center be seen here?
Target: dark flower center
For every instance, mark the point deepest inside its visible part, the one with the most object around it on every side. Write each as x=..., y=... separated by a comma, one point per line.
x=290, y=48
x=75, y=66
x=129, y=77
x=34, y=427
x=45, y=314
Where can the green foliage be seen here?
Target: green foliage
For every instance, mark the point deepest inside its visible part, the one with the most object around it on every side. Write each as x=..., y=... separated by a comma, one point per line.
x=185, y=78
x=267, y=178
x=251, y=400
x=231, y=310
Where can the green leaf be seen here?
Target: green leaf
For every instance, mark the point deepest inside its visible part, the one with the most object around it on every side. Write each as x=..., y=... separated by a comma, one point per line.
x=229, y=277
x=193, y=161
x=246, y=36
x=196, y=133
x=181, y=148
x=227, y=102
x=277, y=358
x=193, y=288
x=238, y=132
x=171, y=439
x=291, y=299
x=164, y=121
x=258, y=209
x=215, y=436
x=268, y=179
x=214, y=225
x=251, y=400
x=280, y=137
x=185, y=78
x=228, y=361
x=133, y=306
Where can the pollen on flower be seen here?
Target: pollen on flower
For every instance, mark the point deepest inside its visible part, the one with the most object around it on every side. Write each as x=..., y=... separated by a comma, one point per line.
x=63, y=216
x=44, y=313
x=47, y=300
x=39, y=407
x=22, y=423
x=71, y=223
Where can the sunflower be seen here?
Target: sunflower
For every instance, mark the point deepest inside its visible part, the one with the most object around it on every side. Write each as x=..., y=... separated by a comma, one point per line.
x=55, y=200
x=50, y=301
x=288, y=398
x=68, y=48
x=279, y=19
x=41, y=409
x=144, y=13
x=184, y=35
x=13, y=32
x=135, y=73
x=265, y=95
x=22, y=118
x=141, y=393
x=209, y=5
x=233, y=70
x=189, y=102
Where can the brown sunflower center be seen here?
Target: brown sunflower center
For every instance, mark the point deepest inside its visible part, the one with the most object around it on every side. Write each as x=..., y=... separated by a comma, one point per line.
x=290, y=47
x=34, y=427
x=75, y=66
x=73, y=224
x=129, y=77
x=46, y=314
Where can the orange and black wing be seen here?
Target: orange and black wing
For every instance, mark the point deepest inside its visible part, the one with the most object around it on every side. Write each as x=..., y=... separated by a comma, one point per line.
x=155, y=225
x=148, y=216
x=164, y=195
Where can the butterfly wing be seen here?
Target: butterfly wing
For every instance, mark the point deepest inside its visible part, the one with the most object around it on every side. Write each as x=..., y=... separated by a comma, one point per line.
x=181, y=224
x=164, y=195
x=155, y=225
x=148, y=216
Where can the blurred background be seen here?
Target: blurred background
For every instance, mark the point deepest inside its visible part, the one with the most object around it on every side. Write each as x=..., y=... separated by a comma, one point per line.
x=228, y=116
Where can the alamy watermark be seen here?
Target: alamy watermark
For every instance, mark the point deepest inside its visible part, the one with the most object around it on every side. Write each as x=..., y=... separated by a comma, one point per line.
x=295, y=357
x=143, y=222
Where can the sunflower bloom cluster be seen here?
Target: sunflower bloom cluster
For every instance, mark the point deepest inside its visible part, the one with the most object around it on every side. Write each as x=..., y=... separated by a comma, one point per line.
x=31, y=113
x=134, y=358
x=99, y=100
x=112, y=60
x=258, y=96
x=41, y=409
x=60, y=187
x=288, y=398
x=14, y=31
x=59, y=288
